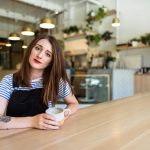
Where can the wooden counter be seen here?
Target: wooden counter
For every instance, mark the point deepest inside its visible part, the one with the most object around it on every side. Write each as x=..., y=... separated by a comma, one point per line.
x=141, y=83
x=121, y=124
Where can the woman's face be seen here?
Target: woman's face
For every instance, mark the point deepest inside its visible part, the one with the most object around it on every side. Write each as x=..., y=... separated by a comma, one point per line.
x=41, y=55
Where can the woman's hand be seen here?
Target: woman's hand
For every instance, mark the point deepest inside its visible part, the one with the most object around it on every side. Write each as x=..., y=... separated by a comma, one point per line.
x=67, y=113
x=45, y=122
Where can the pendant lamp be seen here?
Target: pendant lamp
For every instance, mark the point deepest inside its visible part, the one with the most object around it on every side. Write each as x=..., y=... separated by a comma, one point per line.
x=27, y=31
x=46, y=23
x=8, y=44
x=14, y=36
x=24, y=46
x=116, y=20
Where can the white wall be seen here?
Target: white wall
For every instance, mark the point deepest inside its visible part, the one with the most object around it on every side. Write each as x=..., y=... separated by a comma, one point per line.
x=135, y=19
x=135, y=22
x=75, y=14
x=143, y=52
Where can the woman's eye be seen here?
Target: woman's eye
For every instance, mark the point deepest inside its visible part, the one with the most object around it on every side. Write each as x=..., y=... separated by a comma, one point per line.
x=37, y=48
x=47, y=54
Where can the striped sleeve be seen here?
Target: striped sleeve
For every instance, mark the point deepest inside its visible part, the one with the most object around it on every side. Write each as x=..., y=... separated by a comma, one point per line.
x=64, y=89
x=6, y=87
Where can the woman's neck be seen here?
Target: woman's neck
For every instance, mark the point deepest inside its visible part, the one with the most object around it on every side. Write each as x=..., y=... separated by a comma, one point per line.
x=36, y=74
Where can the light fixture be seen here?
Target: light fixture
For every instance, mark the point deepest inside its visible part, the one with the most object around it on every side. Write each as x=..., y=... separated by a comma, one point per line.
x=14, y=36
x=24, y=46
x=27, y=31
x=46, y=23
x=116, y=20
x=56, y=12
x=8, y=44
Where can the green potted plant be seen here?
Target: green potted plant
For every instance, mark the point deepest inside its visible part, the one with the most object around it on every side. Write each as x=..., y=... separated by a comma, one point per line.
x=93, y=39
x=93, y=16
x=107, y=35
x=81, y=30
x=72, y=30
x=101, y=13
x=97, y=38
x=146, y=39
x=134, y=42
x=66, y=32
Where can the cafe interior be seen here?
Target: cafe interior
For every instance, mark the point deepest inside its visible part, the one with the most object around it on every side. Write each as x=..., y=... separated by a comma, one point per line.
x=106, y=47
x=103, y=45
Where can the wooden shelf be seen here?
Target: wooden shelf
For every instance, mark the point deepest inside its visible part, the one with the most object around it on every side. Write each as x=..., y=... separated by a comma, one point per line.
x=127, y=47
x=76, y=36
x=111, y=12
x=2, y=44
x=75, y=53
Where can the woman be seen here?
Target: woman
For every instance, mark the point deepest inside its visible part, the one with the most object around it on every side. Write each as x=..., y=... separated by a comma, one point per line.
x=36, y=86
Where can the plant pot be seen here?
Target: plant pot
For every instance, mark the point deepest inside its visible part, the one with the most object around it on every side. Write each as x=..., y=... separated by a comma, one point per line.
x=80, y=32
x=135, y=43
x=72, y=34
x=65, y=35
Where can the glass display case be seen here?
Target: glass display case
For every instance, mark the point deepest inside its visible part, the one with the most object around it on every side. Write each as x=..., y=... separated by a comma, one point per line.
x=92, y=88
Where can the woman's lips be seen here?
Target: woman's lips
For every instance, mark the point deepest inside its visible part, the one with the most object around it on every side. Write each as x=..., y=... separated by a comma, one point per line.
x=37, y=61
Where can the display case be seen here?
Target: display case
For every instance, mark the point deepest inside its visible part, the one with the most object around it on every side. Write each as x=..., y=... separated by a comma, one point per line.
x=92, y=88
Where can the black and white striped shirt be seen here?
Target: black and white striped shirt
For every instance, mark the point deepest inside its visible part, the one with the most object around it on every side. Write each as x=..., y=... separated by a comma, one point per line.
x=6, y=87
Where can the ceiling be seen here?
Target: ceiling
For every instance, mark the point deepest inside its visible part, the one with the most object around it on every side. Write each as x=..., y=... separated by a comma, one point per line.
x=32, y=10
x=29, y=10
x=14, y=14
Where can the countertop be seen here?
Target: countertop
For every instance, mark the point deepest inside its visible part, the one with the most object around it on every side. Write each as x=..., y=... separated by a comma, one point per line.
x=122, y=124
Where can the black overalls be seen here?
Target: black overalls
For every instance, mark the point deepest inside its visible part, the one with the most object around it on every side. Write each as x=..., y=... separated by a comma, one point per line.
x=25, y=103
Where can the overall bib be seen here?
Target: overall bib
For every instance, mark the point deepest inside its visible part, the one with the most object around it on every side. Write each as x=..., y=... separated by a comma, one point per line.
x=25, y=103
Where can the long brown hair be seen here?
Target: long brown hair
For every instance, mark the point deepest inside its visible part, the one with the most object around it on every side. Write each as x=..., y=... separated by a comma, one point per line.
x=52, y=74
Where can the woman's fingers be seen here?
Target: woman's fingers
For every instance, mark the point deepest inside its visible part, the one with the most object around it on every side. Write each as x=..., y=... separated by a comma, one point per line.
x=67, y=112
x=49, y=117
x=44, y=121
x=51, y=122
x=49, y=126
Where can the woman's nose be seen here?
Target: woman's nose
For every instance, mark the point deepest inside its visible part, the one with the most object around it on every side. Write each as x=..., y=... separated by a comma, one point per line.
x=39, y=55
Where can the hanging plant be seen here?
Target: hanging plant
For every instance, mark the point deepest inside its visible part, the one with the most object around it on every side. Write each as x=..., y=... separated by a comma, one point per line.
x=107, y=35
x=71, y=29
x=100, y=14
x=66, y=30
x=93, y=39
x=93, y=16
x=97, y=39
x=146, y=39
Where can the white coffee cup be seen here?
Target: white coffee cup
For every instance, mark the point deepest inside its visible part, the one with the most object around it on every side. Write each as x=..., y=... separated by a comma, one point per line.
x=57, y=113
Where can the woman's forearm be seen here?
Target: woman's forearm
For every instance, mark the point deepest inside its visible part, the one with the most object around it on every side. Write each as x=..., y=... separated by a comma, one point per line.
x=73, y=108
x=7, y=122
x=40, y=121
x=72, y=103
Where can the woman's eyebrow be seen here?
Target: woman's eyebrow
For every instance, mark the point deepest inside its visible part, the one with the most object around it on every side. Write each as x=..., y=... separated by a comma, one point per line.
x=49, y=51
x=39, y=45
